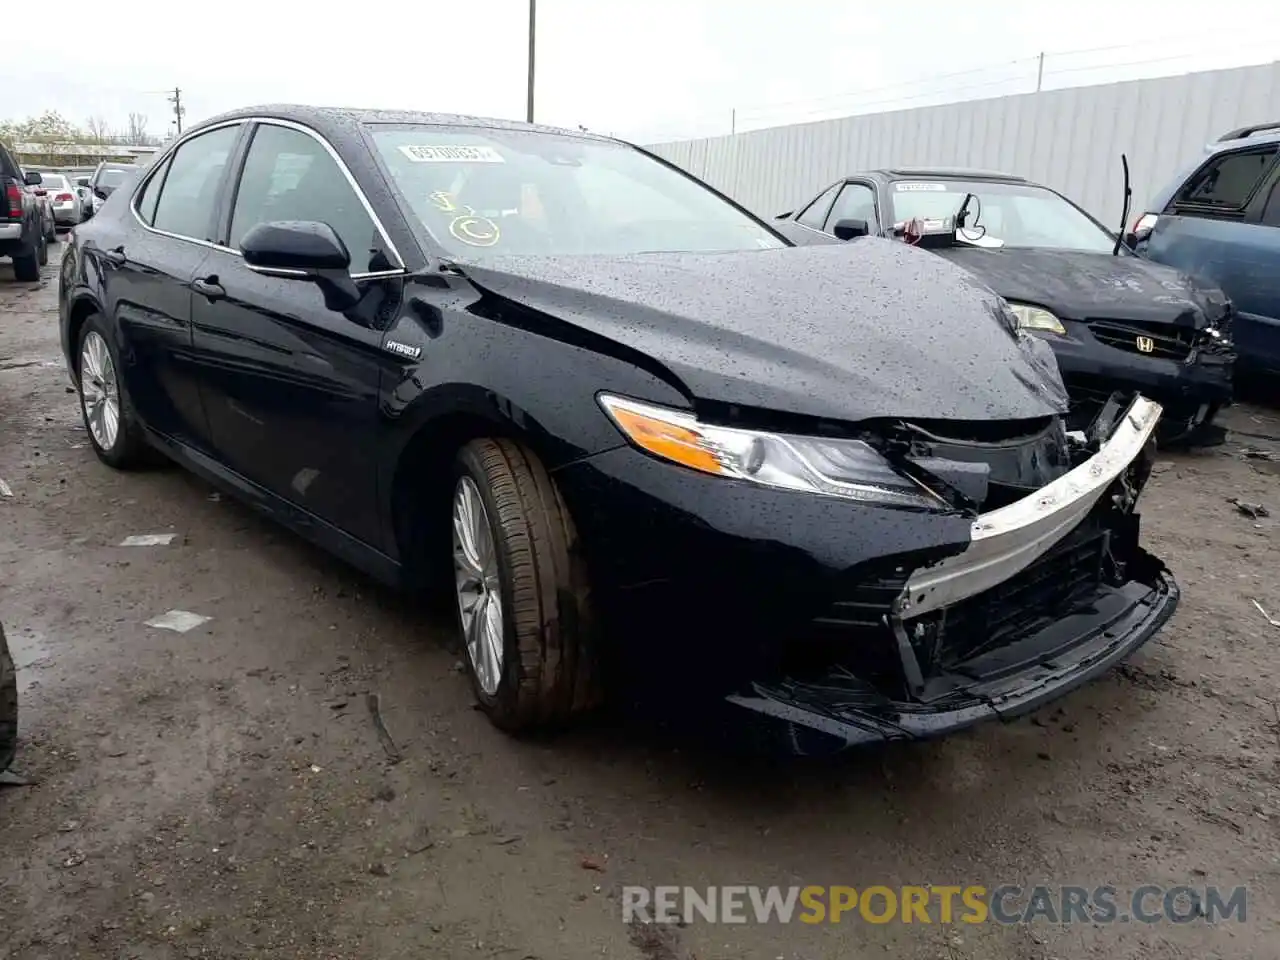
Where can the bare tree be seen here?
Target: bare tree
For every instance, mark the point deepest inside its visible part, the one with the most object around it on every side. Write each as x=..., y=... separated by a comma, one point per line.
x=137, y=129
x=99, y=132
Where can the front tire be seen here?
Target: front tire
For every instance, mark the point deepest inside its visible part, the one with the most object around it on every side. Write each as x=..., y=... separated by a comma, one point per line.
x=109, y=419
x=524, y=604
x=8, y=705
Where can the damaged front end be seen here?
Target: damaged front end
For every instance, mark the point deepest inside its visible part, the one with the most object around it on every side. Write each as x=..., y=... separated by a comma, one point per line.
x=1052, y=590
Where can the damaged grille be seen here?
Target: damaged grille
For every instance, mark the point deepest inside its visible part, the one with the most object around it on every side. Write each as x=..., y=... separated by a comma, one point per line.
x=1167, y=342
x=855, y=628
x=1063, y=577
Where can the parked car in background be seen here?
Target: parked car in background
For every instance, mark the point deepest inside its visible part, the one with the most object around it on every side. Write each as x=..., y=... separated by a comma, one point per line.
x=1115, y=321
x=1220, y=219
x=104, y=180
x=63, y=200
x=23, y=237
x=85, y=193
x=619, y=419
x=41, y=195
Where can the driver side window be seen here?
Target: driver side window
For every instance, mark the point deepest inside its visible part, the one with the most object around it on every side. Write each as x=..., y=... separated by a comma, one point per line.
x=289, y=175
x=857, y=202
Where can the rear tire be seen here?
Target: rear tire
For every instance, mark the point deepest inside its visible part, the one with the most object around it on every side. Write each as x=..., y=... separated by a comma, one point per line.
x=8, y=705
x=44, y=252
x=547, y=671
x=125, y=446
x=27, y=269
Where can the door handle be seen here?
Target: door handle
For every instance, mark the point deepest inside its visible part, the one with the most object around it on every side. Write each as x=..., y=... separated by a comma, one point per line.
x=116, y=256
x=209, y=287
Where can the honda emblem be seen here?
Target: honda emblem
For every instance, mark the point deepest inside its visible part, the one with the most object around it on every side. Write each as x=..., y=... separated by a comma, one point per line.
x=1145, y=344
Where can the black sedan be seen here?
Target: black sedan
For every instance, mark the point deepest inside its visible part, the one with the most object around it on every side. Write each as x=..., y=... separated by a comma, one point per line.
x=635, y=431
x=1115, y=320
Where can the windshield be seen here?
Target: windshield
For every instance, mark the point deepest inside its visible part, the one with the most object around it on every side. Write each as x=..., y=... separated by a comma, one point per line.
x=112, y=176
x=1019, y=214
x=484, y=192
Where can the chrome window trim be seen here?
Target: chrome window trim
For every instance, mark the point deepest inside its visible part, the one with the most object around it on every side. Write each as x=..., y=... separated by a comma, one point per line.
x=290, y=125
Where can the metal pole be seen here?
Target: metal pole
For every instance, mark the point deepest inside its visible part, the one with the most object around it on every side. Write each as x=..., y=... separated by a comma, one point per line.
x=533, y=17
x=1040, y=73
x=733, y=121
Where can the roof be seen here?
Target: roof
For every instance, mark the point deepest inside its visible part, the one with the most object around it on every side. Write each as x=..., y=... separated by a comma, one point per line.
x=967, y=173
x=1262, y=133
x=350, y=117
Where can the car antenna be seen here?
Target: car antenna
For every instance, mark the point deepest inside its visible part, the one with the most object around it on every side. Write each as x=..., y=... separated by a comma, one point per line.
x=1124, y=213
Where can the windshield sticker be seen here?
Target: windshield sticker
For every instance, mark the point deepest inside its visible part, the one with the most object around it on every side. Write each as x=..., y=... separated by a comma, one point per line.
x=457, y=154
x=905, y=187
x=443, y=201
x=475, y=231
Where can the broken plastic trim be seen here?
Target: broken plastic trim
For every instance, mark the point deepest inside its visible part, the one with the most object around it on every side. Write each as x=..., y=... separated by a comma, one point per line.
x=1008, y=540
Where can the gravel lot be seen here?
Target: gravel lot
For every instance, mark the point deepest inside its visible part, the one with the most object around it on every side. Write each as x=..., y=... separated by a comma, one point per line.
x=224, y=793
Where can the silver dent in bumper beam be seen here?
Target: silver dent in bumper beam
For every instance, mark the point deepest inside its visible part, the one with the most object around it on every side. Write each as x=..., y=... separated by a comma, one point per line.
x=1008, y=540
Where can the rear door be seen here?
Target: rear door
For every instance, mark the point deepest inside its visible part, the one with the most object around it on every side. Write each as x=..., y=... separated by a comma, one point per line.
x=147, y=259
x=1223, y=225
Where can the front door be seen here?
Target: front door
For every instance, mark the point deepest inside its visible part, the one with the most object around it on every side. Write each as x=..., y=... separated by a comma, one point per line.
x=290, y=386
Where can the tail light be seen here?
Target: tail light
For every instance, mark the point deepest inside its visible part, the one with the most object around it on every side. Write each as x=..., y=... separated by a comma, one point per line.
x=13, y=197
x=63, y=198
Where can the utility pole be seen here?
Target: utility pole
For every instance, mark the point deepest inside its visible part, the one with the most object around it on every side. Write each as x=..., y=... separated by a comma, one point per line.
x=1040, y=73
x=533, y=17
x=176, y=100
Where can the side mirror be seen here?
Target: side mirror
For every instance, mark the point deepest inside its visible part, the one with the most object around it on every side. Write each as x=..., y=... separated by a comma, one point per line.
x=848, y=229
x=33, y=179
x=1131, y=240
x=303, y=250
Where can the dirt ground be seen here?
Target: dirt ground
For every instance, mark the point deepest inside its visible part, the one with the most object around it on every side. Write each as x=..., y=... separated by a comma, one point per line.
x=224, y=793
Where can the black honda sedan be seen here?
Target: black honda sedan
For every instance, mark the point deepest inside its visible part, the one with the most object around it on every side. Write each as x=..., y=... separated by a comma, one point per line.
x=1115, y=320
x=633, y=429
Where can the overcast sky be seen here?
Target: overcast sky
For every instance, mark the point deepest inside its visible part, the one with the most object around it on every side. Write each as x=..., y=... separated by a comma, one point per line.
x=647, y=70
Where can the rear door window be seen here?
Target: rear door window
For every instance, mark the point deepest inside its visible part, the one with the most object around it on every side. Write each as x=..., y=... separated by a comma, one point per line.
x=190, y=192
x=1225, y=184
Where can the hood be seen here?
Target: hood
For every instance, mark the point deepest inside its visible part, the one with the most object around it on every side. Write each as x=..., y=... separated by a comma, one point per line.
x=1079, y=286
x=847, y=332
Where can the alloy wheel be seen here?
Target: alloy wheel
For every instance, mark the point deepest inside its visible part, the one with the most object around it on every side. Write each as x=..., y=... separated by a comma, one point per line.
x=475, y=565
x=99, y=391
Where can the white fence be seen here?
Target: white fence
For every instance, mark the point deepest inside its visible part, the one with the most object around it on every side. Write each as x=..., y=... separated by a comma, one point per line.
x=1068, y=139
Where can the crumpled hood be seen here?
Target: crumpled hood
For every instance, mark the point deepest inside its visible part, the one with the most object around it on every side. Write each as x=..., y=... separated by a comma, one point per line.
x=1079, y=286
x=847, y=332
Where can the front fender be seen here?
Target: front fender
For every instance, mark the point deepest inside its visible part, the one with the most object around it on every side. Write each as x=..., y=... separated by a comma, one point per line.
x=479, y=375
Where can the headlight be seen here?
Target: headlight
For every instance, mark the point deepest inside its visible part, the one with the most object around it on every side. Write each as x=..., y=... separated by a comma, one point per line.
x=1036, y=318
x=829, y=466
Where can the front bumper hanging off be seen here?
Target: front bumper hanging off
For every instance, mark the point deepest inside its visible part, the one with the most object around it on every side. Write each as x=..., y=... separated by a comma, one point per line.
x=1034, y=616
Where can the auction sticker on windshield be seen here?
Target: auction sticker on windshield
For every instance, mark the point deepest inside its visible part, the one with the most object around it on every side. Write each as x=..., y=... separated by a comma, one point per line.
x=458, y=154
x=905, y=187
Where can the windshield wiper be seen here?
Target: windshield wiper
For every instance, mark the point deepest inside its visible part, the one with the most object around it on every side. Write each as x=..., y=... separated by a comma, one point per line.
x=963, y=213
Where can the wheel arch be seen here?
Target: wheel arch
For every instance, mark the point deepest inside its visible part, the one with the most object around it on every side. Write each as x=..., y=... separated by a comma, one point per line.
x=83, y=305
x=420, y=476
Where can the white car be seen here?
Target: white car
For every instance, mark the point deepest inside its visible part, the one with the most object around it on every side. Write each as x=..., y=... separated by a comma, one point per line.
x=64, y=201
